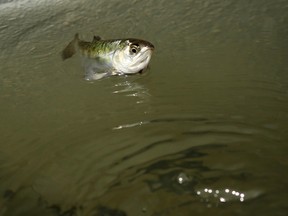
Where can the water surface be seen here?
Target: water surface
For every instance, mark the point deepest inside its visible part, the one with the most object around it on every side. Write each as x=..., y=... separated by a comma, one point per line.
x=203, y=132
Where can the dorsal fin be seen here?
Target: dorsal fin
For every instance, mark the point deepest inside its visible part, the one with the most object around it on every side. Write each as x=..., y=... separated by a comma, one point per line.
x=96, y=38
x=76, y=37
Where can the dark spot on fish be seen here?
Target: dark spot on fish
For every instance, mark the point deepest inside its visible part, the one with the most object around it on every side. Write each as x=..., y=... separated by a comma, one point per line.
x=96, y=38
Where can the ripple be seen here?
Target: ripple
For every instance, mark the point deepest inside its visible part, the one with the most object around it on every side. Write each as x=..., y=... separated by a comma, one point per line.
x=205, y=161
x=130, y=125
x=205, y=134
x=131, y=88
x=183, y=179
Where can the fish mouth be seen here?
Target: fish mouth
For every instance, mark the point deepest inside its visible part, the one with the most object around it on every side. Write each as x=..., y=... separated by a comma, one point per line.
x=151, y=48
x=145, y=59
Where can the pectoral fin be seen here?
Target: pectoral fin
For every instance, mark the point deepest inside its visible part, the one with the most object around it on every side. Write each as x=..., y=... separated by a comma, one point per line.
x=95, y=76
x=96, y=69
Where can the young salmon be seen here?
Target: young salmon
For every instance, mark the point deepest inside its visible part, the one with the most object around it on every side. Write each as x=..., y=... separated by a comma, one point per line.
x=104, y=58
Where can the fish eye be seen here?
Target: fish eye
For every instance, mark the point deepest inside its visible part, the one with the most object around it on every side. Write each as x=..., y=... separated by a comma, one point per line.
x=134, y=48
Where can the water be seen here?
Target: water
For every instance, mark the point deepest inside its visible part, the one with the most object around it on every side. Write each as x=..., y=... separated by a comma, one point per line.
x=203, y=132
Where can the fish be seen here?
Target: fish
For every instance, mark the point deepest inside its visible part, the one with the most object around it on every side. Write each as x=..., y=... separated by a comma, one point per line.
x=103, y=58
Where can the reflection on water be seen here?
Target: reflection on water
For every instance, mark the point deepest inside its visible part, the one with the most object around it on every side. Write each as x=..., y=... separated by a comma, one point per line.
x=130, y=125
x=204, y=132
x=133, y=89
x=222, y=195
x=186, y=174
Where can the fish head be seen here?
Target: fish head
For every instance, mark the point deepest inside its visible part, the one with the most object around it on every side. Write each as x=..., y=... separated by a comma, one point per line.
x=134, y=57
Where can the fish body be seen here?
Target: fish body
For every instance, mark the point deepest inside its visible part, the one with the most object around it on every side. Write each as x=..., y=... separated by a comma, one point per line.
x=102, y=58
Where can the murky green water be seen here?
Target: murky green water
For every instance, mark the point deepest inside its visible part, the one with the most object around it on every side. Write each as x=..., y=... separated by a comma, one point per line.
x=204, y=132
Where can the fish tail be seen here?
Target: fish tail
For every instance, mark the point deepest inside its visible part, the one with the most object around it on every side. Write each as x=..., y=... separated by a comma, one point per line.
x=70, y=49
